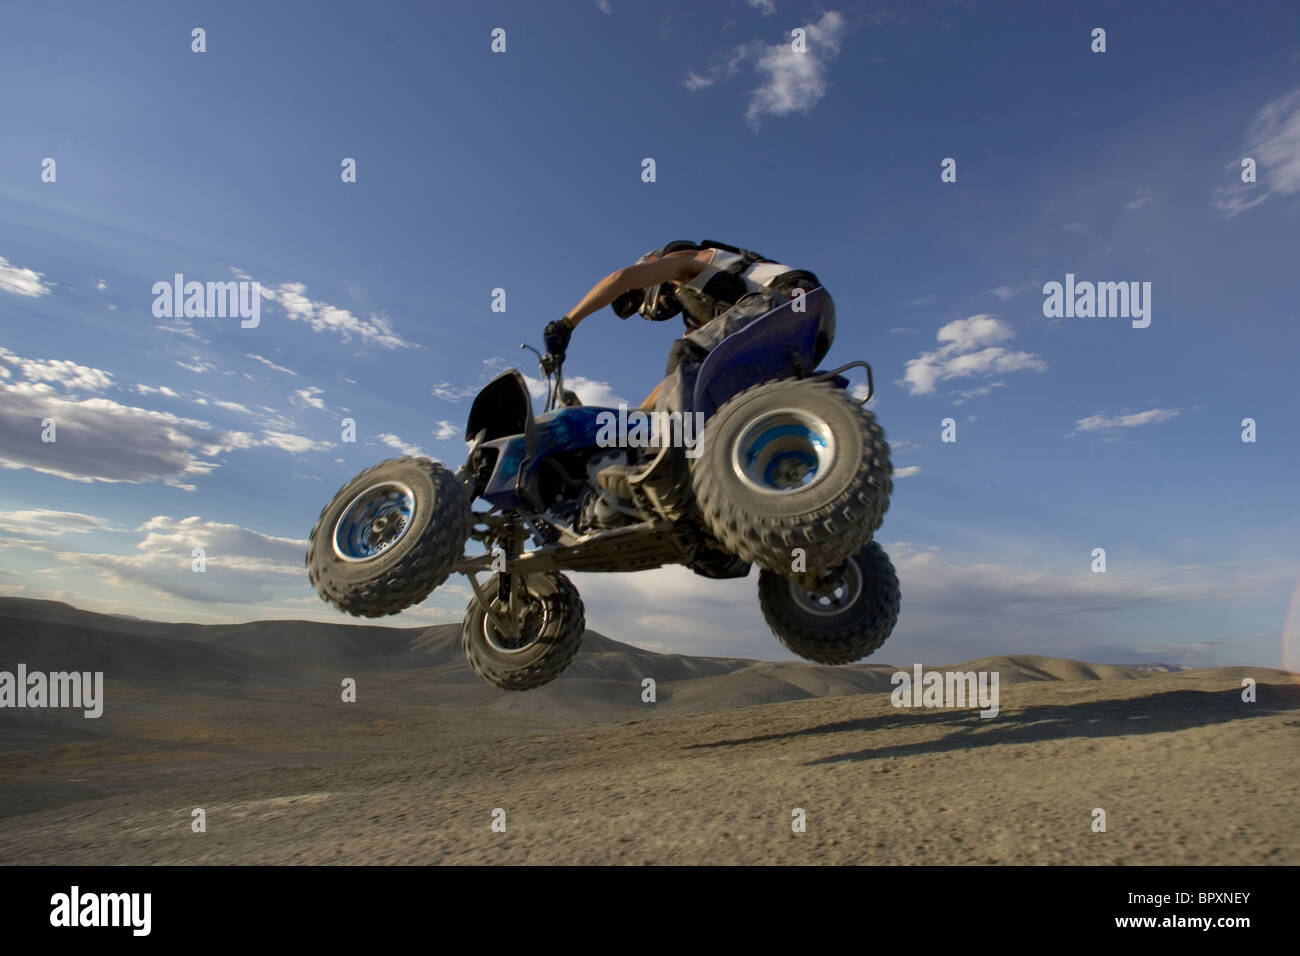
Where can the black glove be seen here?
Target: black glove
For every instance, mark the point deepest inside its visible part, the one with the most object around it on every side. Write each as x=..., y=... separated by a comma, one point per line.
x=556, y=338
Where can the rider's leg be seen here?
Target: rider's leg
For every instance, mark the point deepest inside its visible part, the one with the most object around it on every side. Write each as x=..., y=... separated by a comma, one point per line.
x=649, y=403
x=685, y=358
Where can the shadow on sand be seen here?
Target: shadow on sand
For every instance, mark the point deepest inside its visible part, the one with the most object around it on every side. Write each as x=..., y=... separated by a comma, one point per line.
x=1164, y=712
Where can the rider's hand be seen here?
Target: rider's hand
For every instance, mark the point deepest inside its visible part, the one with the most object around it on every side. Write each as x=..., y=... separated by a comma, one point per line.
x=556, y=337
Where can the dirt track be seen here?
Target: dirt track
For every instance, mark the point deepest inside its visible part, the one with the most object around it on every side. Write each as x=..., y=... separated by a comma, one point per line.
x=1185, y=771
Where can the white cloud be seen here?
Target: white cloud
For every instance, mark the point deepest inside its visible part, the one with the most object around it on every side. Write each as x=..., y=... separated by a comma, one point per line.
x=43, y=522
x=695, y=82
x=102, y=440
x=789, y=82
x=966, y=395
x=100, y=285
x=1009, y=292
x=198, y=367
x=308, y=397
x=294, y=444
x=21, y=281
x=1153, y=416
x=444, y=430
x=323, y=317
x=181, y=327
x=724, y=67
x=454, y=393
x=233, y=407
x=62, y=372
x=151, y=390
x=394, y=442
x=954, y=609
x=1133, y=205
x=603, y=6
x=966, y=349
x=241, y=565
x=592, y=392
x=269, y=364
x=907, y=471
x=794, y=82
x=1274, y=143
x=965, y=335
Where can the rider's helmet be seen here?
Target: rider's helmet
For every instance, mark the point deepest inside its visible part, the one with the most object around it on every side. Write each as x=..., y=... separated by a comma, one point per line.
x=657, y=303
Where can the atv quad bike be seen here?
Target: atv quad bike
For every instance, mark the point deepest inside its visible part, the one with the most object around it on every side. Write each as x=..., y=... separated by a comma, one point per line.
x=790, y=474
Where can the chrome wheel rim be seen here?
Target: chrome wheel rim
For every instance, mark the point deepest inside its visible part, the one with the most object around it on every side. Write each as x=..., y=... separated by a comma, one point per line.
x=783, y=451
x=374, y=521
x=535, y=618
x=838, y=596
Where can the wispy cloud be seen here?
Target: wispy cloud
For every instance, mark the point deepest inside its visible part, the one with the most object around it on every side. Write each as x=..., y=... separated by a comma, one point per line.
x=241, y=564
x=394, y=442
x=200, y=366
x=1101, y=423
x=1136, y=203
x=42, y=522
x=1274, y=143
x=154, y=390
x=323, y=317
x=181, y=327
x=309, y=397
x=453, y=393
x=294, y=444
x=269, y=364
x=1008, y=292
x=965, y=395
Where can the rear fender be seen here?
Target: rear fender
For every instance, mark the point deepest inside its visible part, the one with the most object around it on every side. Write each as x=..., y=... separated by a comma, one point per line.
x=779, y=344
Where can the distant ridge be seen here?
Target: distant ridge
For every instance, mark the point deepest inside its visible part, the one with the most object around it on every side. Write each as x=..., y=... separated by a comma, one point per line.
x=604, y=681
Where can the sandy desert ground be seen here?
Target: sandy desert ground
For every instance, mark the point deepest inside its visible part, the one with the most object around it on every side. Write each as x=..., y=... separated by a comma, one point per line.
x=246, y=722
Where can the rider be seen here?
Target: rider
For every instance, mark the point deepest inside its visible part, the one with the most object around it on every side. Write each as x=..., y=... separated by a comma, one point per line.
x=718, y=289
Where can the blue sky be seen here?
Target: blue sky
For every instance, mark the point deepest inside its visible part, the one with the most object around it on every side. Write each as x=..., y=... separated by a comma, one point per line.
x=522, y=170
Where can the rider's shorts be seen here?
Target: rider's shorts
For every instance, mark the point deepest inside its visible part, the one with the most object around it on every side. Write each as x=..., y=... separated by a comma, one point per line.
x=688, y=353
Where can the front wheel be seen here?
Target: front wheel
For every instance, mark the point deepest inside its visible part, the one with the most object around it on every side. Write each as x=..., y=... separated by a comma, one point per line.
x=547, y=634
x=389, y=537
x=848, y=617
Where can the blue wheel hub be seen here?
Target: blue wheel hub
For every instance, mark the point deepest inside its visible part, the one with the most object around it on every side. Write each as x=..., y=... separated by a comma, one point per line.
x=374, y=521
x=782, y=451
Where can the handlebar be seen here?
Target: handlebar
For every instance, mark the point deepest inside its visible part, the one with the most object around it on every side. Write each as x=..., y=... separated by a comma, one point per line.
x=549, y=365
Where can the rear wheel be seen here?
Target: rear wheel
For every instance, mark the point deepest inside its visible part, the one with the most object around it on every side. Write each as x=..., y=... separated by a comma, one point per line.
x=846, y=618
x=547, y=634
x=793, y=465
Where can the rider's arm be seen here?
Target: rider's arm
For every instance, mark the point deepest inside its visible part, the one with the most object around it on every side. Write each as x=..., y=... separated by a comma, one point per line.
x=674, y=267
